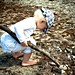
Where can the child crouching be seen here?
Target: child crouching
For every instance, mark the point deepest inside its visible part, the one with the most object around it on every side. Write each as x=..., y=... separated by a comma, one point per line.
x=43, y=19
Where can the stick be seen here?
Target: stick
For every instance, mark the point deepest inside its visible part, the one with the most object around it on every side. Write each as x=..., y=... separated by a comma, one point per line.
x=6, y=29
x=43, y=52
x=2, y=27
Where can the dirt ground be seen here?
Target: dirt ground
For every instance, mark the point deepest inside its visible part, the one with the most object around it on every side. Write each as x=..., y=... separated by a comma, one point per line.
x=59, y=42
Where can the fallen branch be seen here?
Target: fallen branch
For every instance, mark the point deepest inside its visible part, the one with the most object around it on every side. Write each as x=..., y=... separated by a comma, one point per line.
x=43, y=52
x=5, y=28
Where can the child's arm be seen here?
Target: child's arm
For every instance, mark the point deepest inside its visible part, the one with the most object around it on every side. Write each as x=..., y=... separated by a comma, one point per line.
x=19, y=31
x=21, y=35
x=23, y=30
x=22, y=38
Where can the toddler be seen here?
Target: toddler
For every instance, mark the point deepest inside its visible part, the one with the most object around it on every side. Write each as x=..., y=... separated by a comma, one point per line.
x=43, y=19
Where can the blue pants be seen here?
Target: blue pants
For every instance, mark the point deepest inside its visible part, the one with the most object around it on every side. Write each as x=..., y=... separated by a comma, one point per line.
x=11, y=45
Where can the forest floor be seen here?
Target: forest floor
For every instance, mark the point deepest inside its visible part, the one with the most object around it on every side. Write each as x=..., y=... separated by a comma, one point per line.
x=59, y=41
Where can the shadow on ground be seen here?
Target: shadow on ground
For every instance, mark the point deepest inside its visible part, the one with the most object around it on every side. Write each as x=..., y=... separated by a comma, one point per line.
x=7, y=60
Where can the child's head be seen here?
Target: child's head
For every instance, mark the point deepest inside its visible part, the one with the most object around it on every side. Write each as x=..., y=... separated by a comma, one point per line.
x=44, y=19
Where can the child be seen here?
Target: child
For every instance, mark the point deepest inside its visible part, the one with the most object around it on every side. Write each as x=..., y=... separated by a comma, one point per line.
x=43, y=19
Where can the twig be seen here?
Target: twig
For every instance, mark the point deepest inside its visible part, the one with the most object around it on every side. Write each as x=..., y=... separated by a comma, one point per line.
x=43, y=52
x=6, y=29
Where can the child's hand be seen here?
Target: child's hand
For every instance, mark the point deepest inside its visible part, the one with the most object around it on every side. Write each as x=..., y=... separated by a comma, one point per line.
x=24, y=43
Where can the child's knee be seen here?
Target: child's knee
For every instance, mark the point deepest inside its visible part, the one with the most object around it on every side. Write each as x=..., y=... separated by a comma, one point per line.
x=28, y=50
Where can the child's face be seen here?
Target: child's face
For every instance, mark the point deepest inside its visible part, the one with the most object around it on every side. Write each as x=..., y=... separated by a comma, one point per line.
x=41, y=24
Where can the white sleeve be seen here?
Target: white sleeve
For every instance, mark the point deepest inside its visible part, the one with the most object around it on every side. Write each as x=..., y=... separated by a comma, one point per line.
x=19, y=30
x=23, y=28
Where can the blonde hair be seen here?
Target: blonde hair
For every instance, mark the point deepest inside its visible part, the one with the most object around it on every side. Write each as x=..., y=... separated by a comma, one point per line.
x=38, y=13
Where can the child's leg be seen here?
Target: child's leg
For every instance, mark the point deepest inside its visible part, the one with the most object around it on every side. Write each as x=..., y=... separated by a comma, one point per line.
x=26, y=57
x=17, y=54
x=26, y=61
